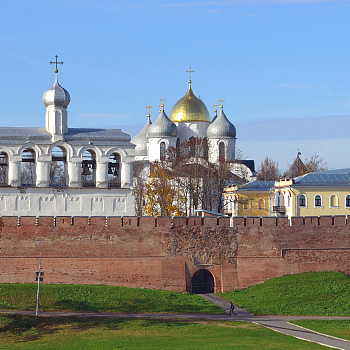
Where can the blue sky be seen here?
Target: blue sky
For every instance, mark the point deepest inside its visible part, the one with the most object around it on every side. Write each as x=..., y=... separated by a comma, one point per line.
x=282, y=67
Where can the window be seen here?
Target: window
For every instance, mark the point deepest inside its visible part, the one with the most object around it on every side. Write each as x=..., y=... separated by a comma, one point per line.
x=178, y=147
x=162, y=150
x=222, y=155
x=192, y=145
x=261, y=204
x=347, y=201
x=58, y=168
x=318, y=201
x=246, y=204
x=302, y=201
x=333, y=201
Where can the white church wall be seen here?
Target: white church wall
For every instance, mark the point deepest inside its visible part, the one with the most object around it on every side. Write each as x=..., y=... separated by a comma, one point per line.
x=191, y=129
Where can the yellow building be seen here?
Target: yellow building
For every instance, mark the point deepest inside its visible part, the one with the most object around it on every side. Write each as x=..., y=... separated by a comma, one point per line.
x=250, y=199
x=313, y=194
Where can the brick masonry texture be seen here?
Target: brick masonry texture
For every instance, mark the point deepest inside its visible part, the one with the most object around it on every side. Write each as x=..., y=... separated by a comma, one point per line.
x=164, y=253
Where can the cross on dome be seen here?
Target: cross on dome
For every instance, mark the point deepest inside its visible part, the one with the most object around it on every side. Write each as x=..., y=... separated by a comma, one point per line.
x=190, y=71
x=149, y=110
x=56, y=63
x=221, y=101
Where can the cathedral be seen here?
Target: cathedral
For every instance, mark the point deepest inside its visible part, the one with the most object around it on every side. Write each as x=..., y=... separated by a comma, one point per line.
x=62, y=171
x=190, y=118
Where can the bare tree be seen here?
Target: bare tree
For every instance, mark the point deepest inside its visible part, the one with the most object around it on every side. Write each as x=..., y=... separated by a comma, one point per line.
x=268, y=170
x=315, y=163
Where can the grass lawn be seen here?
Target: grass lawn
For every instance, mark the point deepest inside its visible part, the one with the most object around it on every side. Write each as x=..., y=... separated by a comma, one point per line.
x=90, y=298
x=28, y=332
x=312, y=293
x=336, y=328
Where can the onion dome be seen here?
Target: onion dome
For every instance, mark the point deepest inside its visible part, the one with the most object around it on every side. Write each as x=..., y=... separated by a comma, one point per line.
x=190, y=109
x=221, y=128
x=140, y=140
x=162, y=127
x=56, y=96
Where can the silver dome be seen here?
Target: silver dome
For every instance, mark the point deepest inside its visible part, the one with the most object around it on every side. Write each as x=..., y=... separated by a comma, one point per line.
x=140, y=140
x=162, y=127
x=221, y=128
x=56, y=96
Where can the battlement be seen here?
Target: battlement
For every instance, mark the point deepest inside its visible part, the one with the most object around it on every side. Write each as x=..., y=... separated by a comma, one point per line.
x=169, y=222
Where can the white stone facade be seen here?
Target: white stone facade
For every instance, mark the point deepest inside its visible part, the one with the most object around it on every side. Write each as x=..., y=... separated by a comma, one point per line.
x=60, y=171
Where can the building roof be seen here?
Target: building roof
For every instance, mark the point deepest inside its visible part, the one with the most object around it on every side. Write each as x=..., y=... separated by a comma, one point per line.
x=257, y=185
x=21, y=135
x=338, y=177
x=298, y=168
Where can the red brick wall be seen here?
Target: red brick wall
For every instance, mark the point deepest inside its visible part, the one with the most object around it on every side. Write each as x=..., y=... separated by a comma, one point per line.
x=164, y=254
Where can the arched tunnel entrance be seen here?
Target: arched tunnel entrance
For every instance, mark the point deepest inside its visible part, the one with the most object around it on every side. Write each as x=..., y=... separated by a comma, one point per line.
x=202, y=282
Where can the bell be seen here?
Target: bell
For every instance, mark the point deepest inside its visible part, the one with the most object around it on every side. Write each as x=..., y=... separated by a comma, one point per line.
x=110, y=171
x=115, y=172
x=86, y=171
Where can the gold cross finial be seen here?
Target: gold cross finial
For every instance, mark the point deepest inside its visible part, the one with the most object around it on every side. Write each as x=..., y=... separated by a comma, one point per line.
x=149, y=110
x=162, y=101
x=190, y=71
x=215, y=105
x=221, y=101
x=56, y=63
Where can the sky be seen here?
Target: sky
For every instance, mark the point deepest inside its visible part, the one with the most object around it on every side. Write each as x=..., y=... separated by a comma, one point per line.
x=281, y=66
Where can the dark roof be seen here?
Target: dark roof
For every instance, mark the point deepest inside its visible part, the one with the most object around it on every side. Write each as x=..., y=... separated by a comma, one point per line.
x=250, y=164
x=298, y=168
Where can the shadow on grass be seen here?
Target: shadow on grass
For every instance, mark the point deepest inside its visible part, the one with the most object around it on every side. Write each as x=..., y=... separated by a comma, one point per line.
x=24, y=328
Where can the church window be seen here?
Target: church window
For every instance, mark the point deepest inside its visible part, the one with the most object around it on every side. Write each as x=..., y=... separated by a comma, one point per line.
x=3, y=169
x=162, y=150
x=58, y=168
x=318, y=201
x=192, y=147
x=261, y=204
x=302, y=200
x=347, y=201
x=114, y=180
x=333, y=201
x=178, y=147
x=28, y=168
x=205, y=148
x=222, y=155
x=88, y=169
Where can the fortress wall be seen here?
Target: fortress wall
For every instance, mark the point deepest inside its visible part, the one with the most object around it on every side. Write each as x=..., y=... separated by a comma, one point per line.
x=164, y=253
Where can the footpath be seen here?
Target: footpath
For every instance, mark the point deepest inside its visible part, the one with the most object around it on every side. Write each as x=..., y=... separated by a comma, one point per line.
x=276, y=323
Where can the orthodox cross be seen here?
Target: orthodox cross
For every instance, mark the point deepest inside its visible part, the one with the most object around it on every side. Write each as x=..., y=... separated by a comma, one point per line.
x=215, y=105
x=162, y=101
x=190, y=71
x=222, y=100
x=149, y=110
x=56, y=63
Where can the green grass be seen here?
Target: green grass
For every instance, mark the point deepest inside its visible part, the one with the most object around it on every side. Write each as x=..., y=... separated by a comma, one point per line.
x=313, y=293
x=29, y=333
x=336, y=328
x=90, y=298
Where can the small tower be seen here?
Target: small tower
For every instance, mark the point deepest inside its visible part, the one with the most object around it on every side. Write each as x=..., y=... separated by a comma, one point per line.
x=162, y=134
x=221, y=135
x=56, y=99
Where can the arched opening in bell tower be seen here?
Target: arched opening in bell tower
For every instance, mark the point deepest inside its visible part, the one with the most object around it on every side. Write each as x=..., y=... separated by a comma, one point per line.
x=28, y=168
x=203, y=282
x=58, y=168
x=114, y=179
x=88, y=169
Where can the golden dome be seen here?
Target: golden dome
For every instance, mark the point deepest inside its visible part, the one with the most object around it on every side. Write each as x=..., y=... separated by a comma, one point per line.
x=190, y=109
